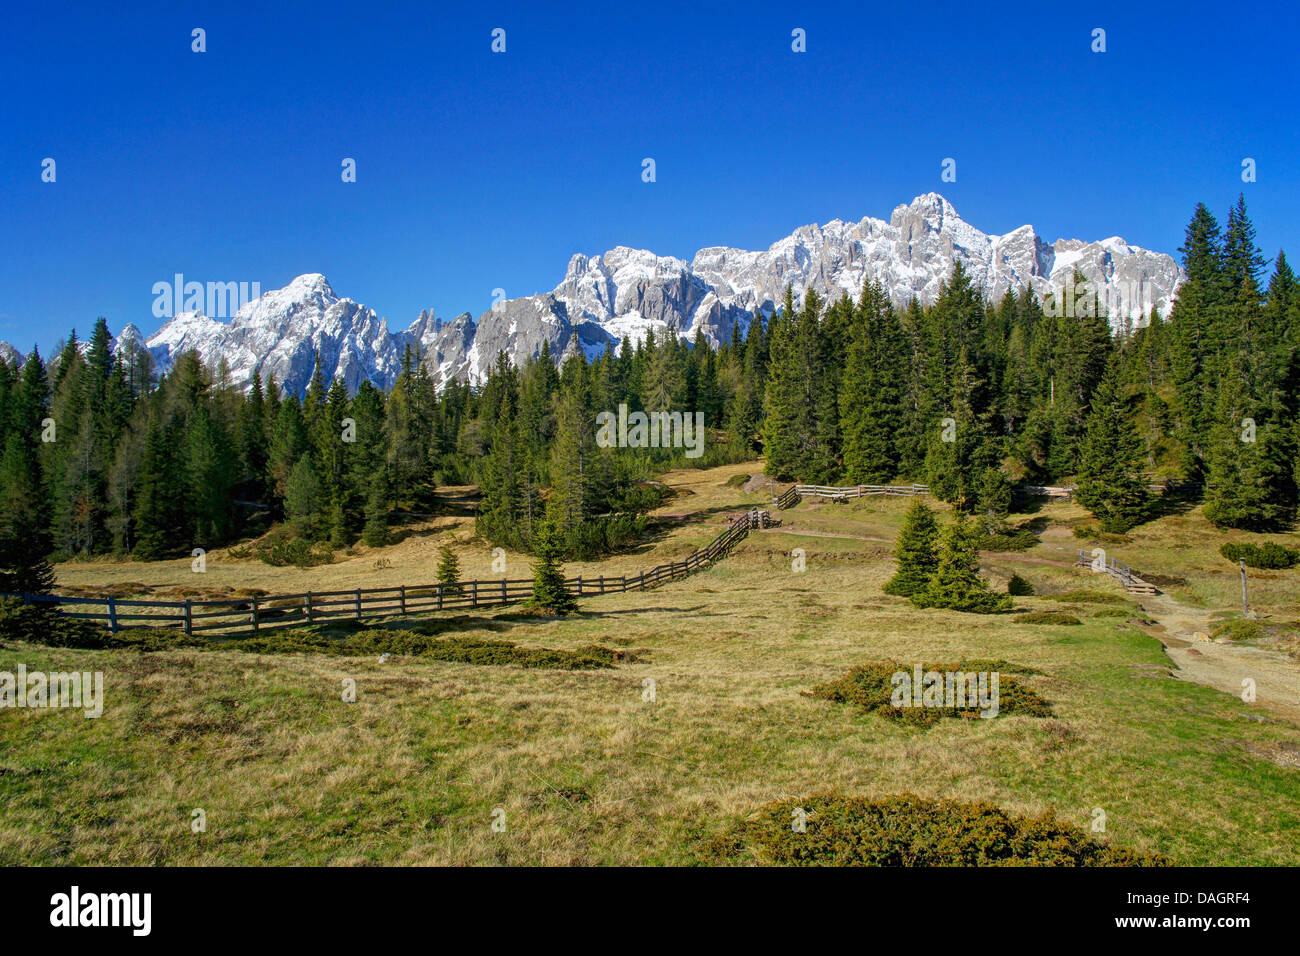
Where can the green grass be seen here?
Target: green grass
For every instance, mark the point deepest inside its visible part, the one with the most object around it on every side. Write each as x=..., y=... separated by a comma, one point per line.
x=590, y=770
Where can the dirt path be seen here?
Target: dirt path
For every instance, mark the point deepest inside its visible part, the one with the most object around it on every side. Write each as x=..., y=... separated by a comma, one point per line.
x=1222, y=666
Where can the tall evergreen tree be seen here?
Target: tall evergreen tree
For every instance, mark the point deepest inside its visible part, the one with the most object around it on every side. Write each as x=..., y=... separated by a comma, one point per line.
x=1111, y=483
x=549, y=592
x=956, y=584
x=915, y=551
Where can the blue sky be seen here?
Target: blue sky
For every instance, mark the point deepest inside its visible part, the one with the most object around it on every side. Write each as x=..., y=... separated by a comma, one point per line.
x=478, y=170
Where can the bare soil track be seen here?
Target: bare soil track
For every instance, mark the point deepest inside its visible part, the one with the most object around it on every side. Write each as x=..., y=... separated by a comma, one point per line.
x=1207, y=662
x=1222, y=666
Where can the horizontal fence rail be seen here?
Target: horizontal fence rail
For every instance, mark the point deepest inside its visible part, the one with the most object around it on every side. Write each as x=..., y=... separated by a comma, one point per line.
x=793, y=495
x=256, y=613
x=1103, y=563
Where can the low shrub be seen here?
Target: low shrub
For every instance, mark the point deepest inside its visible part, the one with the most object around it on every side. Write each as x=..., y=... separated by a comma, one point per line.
x=600, y=536
x=908, y=830
x=1269, y=555
x=1240, y=629
x=1046, y=617
x=1019, y=587
x=1021, y=540
x=45, y=626
x=969, y=602
x=1085, y=596
x=871, y=687
x=463, y=650
x=281, y=549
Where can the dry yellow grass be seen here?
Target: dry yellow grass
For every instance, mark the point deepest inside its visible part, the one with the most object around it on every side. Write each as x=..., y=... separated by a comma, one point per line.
x=586, y=769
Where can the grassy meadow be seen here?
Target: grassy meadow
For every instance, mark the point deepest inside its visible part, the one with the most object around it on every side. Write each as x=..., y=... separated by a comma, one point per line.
x=588, y=769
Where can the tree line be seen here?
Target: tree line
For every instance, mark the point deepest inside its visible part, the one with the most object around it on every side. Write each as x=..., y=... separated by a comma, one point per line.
x=971, y=396
x=104, y=455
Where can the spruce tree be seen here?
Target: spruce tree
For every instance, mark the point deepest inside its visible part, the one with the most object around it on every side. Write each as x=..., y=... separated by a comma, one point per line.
x=159, y=519
x=962, y=447
x=956, y=584
x=448, y=570
x=571, y=456
x=375, y=532
x=870, y=394
x=24, y=539
x=1111, y=484
x=549, y=592
x=797, y=443
x=304, y=499
x=210, y=472
x=1249, y=482
x=915, y=551
x=994, y=501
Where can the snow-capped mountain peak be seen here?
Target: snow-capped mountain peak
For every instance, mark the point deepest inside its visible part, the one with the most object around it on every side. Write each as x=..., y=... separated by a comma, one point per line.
x=627, y=292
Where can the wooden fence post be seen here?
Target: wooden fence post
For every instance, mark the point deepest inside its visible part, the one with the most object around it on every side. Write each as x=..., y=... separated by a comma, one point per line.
x=579, y=585
x=310, y=617
x=474, y=602
x=255, y=612
x=602, y=584
x=402, y=595
x=505, y=599
x=112, y=616
x=358, y=604
x=189, y=620
x=439, y=597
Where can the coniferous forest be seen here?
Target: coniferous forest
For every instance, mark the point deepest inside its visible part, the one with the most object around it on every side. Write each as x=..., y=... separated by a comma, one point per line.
x=104, y=456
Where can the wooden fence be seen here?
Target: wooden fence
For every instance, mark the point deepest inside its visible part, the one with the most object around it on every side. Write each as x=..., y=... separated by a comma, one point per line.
x=1103, y=563
x=791, y=496
x=254, y=614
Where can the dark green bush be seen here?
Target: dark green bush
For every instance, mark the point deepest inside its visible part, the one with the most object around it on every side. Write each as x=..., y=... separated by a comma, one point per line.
x=43, y=624
x=908, y=830
x=1253, y=630
x=281, y=549
x=600, y=536
x=1085, y=596
x=1267, y=556
x=1046, y=617
x=464, y=650
x=871, y=687
x=1009, y=541
x=1019, y=587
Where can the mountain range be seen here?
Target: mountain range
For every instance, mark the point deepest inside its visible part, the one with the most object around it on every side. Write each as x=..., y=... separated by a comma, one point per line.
x=628, y=292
